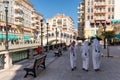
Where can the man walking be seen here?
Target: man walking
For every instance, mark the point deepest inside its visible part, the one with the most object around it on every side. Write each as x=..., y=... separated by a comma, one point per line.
x=73, y=56
x=85, y=56
x=96, y=54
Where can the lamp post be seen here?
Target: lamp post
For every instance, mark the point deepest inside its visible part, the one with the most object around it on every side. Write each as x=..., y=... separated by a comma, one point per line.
x=61, y=38
x=56, y=36
x=104, y=27
x=41, y=33
x=47, y=35
x=6, y=3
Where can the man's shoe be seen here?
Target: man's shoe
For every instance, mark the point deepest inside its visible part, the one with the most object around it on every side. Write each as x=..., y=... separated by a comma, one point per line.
x=75, y=67
x=86, y=70
x=83, y=68
x=72, y=69
x=97, y=70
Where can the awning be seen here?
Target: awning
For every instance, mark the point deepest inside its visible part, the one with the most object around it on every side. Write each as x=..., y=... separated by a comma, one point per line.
x=117, y=36
x=13, y=37
x=2, y=36
x=10, y=37
x=27, y=37
x=114, y=21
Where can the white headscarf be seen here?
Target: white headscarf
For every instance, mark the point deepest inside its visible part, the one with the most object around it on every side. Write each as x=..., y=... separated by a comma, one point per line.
x=85, y=47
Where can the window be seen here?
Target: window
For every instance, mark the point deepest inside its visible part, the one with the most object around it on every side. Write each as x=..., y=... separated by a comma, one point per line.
x=92, y=17
x=108, y=16
x=100, y=9
x=92, y=32
x=88, y=17
x=112, y=9
x=0, y=28
x=96, y=9
x=113, y=1
x=64, y=20
x=91, y=9
x=97, y=24
x=108, y=9
x=88, y=10
x=91, y=2
x=59, y=21
x=109, y=1
x=112, y=16
x=88, y=3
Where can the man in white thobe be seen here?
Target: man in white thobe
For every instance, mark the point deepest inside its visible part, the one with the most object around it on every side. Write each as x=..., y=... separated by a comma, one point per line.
x=73, y=56
x=85, y=56
x=96, y=54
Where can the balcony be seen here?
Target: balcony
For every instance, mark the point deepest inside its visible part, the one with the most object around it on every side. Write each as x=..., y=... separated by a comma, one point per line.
x=17, y=7
x=54, y=25
x=100, y=4
x=81, y=12
x=100, y=12
x=33, y=22
x=18, y=16
x=33, y=16
x=100, y=19
x=18, y=23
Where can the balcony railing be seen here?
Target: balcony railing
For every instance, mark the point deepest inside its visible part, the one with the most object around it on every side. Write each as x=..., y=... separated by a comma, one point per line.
x=19, y=45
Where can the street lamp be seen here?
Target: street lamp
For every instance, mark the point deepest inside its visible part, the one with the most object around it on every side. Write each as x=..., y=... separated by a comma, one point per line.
x=41, y=33
x=47, y=35
x=56, y=36
x=61, y=38
x=6, y=3
x=104, y=27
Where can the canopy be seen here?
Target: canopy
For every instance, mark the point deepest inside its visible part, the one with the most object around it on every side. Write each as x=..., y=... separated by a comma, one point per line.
x=27, y=37
x=2, y=36
x=114, y=21
x=10, y=37
x=117, y=36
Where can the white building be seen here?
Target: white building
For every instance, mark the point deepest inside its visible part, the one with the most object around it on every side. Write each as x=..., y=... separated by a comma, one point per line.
x=100, y=13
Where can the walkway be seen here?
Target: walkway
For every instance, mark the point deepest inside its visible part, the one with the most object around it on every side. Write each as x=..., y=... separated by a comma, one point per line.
x=58, y=69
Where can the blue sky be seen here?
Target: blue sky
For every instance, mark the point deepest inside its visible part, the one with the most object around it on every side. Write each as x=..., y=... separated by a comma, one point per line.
x=49, y=8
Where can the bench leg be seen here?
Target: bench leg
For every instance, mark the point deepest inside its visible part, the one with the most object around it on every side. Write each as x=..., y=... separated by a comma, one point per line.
x=34, y=74
x=26, y=74
x=44, y=65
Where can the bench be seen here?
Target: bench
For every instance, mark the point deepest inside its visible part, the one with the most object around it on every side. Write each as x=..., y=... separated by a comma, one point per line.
x=39, y=62
x=58, y=53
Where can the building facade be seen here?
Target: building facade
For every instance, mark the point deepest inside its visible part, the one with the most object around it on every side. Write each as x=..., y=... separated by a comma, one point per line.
x=81, y=11
x=62, y=26
x=23, y=21
x=100, y=13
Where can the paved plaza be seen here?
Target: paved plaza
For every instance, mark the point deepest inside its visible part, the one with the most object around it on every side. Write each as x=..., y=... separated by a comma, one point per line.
x=58, y=68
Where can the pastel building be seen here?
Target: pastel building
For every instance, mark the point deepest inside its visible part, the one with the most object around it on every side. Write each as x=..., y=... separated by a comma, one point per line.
x=23, y=21
x=100, y=13
x=81, y=19
x=64, y=26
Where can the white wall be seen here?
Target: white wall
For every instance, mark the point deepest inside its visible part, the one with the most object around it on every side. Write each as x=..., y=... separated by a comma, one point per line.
x=87, y=24
x=117, y=10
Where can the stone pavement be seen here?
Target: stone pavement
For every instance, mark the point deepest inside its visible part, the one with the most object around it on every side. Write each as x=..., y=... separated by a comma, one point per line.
x=58, y=68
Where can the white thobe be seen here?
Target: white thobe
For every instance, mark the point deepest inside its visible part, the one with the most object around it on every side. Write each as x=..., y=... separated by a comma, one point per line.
x=73, y=56
x=96, y=57
x=85, y=57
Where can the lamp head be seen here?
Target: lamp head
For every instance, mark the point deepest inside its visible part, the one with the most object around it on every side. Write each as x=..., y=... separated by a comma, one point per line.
x=47, y=23
x=6, y=3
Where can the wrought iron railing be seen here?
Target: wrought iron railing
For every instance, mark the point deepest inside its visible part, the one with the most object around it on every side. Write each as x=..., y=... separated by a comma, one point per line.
x=2, y=61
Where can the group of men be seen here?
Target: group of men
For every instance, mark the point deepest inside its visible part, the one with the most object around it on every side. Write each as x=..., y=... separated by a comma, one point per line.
x=85, y=54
